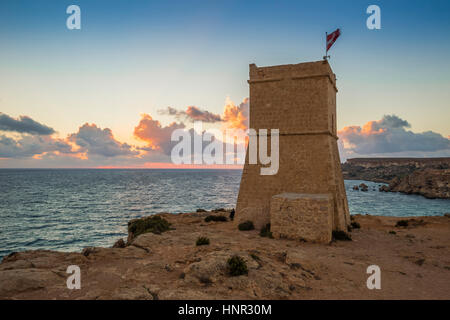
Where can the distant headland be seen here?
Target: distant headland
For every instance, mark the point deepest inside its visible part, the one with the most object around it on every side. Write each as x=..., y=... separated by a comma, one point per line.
x=429, y=177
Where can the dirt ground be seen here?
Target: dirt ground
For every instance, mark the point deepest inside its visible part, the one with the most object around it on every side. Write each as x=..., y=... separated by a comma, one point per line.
x=414, y=263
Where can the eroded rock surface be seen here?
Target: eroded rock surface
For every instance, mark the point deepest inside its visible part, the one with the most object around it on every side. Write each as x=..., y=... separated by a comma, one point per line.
x=414, y=261
x=429, y=183
x=427, y=177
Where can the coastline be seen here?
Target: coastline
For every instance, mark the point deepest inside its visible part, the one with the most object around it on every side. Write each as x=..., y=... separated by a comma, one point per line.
x=428, y=177
x=415, y=264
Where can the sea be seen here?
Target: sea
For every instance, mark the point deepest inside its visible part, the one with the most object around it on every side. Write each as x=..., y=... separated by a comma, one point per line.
x=70, y=209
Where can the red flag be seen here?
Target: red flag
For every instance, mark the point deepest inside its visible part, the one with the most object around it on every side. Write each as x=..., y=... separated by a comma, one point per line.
x=332, y=37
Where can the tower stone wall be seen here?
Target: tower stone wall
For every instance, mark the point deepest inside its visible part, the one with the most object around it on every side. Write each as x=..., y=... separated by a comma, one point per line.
x=300, y=101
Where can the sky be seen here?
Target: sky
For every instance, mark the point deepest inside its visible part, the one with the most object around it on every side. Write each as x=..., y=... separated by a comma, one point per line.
x=111, y=93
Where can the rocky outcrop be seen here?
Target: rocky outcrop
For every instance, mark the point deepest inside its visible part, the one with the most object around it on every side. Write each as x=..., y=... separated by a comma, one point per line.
x=364, y=187
x=386, y=169
x=170, y=266
x=430, y=183
x=428, y=176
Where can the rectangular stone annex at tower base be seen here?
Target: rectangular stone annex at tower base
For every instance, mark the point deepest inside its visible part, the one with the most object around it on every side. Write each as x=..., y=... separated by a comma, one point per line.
x=300, y=101
x=302, y=216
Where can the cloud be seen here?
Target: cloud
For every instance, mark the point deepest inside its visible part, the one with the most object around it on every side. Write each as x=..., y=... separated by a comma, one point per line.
x=388, y=136
x=191, y=114
x=236, y=117
x=156, y=135
x=233, y=117
x=90, y=146
x=29, y=146
x=90, y=140
x=100, y=142
x=159, y=141
x=23, y=125
x=169, y=111
x=196, y=114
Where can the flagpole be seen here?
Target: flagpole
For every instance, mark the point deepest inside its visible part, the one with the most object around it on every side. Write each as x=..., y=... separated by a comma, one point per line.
x=326, y=35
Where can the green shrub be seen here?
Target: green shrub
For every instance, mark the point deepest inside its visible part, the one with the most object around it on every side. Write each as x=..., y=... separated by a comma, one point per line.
x=216, y=218
x=255, y=257
x=265, y=231
x=154, y=224
x=246, y=225
x=202, y=241
x=205, y=280
x=341, y=235
x=392, y=232
x=402, y=223
x=355, y=225
x=420, y=262
x=237, y=266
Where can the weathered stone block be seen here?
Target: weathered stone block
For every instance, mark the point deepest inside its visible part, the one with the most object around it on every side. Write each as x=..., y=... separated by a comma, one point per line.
x=302, y=216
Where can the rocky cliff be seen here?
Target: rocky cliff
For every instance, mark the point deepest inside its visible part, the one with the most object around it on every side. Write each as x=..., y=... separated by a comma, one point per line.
x=430, y=183
x=424, y=176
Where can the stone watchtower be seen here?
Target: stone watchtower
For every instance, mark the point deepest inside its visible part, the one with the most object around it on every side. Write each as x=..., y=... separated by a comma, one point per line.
x=306, y=198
